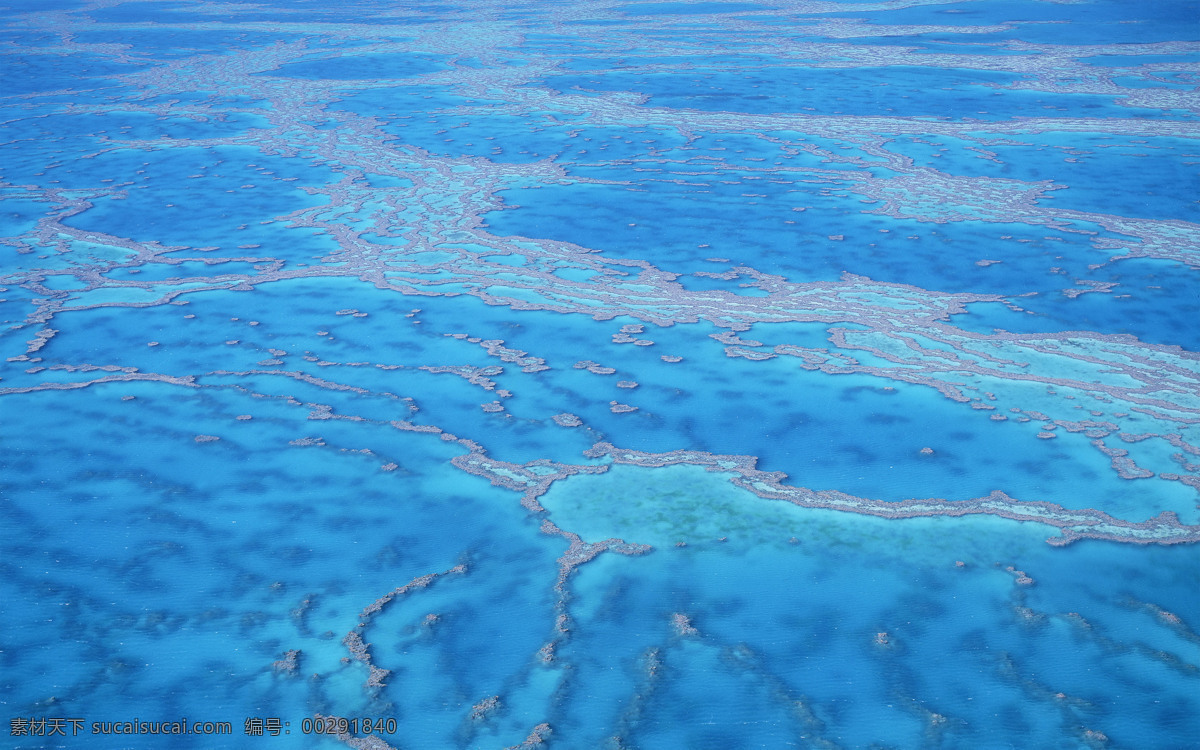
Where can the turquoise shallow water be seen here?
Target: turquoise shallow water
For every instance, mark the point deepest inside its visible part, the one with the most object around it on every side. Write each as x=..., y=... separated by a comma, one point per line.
x=599, y=375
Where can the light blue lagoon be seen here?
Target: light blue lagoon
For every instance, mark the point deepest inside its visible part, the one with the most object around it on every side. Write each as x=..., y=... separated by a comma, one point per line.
x=603, y=374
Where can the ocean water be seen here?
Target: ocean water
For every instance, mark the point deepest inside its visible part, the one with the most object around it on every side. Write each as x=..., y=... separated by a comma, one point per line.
x=657, y=375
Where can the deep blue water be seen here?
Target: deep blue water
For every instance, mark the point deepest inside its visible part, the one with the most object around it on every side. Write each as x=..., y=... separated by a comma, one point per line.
x=362, y=322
